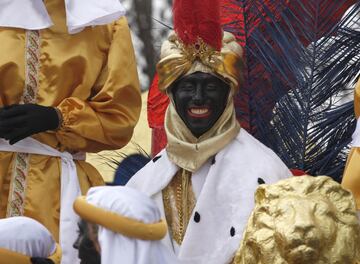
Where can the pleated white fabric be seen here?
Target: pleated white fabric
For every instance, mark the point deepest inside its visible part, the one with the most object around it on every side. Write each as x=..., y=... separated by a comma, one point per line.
x=25, y=14
x=26, y=236
x=116, y=248
x=32, y=15
x=83, y=13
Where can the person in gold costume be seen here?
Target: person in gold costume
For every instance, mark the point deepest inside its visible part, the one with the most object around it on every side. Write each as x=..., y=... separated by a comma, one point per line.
x=302, y=220
x=204, y=180
x=351, y=177
x=68, y=85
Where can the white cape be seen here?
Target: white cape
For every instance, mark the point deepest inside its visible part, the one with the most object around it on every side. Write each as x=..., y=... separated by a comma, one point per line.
x=226, y=198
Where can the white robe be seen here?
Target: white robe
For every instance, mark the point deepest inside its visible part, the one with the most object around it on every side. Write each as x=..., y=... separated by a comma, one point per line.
x=225, y=200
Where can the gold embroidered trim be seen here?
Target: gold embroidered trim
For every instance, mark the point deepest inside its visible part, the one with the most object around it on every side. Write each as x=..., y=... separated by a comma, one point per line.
x=32, y=65
x=18, y=184
x=179, y=202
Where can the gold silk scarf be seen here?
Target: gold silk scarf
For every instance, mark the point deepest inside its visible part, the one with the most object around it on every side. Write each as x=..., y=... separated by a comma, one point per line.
x=189, y=152
x=178, y=60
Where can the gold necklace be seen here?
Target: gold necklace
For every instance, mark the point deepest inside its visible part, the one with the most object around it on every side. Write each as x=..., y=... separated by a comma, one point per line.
x=179, y=202
x=182, y=196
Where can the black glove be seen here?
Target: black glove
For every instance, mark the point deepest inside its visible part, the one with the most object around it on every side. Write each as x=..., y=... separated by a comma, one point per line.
x=41, y=261
x=21, y=121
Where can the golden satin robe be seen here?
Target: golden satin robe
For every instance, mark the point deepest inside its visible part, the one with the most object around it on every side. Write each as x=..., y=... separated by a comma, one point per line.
x=351, y=177
x=92, y=78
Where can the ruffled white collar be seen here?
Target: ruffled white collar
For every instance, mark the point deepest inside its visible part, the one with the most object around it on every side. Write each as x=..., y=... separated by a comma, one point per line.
x=32, y=14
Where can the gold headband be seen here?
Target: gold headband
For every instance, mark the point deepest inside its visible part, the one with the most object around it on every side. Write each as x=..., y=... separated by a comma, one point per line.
x=178, y=60
x=119, y=224
x=7, y=256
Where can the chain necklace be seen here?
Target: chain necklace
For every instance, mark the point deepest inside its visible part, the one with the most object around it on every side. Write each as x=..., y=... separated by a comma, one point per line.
x=179, y=201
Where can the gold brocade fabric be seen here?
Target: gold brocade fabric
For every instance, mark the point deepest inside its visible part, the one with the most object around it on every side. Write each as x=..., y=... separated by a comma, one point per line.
x=179, y=201
x=351, y=177
x=16, y=197
x=91, y=78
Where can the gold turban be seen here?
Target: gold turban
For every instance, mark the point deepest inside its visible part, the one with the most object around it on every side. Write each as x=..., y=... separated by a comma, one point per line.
x=177, y=60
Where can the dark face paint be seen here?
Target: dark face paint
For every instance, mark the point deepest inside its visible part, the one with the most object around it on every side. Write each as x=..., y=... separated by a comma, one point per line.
x=86, y=247
x=200, y=99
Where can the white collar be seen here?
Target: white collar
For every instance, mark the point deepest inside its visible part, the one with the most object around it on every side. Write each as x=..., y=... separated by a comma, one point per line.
x=32, y=14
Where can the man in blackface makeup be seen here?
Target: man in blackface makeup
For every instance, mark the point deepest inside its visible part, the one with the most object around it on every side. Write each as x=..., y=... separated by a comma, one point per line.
x=205, y=178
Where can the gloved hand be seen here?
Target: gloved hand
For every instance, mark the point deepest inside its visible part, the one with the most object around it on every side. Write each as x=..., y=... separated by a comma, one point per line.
x=41, y=261
x=20, y=121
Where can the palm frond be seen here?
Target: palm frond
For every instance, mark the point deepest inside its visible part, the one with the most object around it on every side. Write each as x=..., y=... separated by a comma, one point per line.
x=302, y=59
x=114, y=158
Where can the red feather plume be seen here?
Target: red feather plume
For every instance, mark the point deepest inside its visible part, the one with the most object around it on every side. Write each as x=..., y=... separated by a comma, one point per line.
x=195, y=19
